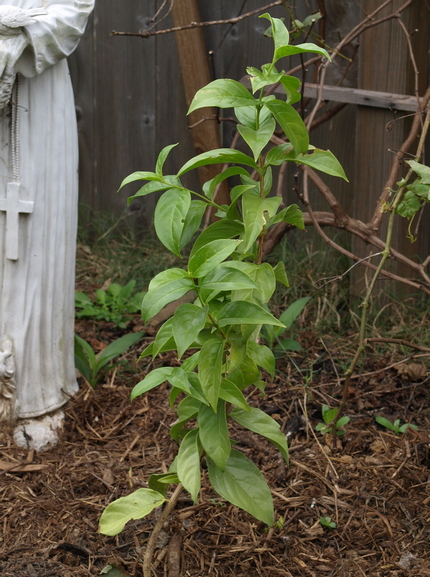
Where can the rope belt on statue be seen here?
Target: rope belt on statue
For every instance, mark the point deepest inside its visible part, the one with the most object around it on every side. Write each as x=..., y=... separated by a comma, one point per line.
x=12, y=205
x=14, y=129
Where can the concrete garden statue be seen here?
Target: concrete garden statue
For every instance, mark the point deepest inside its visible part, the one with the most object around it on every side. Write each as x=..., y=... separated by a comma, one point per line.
x=38, y=213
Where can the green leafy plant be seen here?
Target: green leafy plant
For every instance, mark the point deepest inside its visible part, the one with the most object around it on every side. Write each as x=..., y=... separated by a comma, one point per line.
x=327, y=522
x=232, y=285
x=330, y=424
x=416, y=195
x=111, y=305
x=395, y=426
x=273, y=334
x=94, y=366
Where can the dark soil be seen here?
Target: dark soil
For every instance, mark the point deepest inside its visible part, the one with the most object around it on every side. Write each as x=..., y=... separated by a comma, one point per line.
x=374, y=485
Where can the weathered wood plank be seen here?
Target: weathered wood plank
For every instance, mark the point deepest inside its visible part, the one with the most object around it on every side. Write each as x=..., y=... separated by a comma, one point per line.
x=373, y=98
x=384, y=65
x=348, y=95
x=193, y=60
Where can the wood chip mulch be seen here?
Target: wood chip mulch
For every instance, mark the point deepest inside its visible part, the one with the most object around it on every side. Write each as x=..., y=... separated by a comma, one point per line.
x=373, y=485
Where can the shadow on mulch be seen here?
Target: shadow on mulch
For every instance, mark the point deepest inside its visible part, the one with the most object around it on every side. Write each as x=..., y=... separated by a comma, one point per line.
x=374, y=486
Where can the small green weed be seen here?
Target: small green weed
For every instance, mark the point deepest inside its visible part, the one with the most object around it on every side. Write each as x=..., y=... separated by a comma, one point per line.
x=395, y=427
x=330, y=425
x=112, y=305
x=93, y=366
x=327, y=522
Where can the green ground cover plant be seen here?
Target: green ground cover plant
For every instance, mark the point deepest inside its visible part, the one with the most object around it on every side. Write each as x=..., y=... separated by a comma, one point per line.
x=395, y=426
x=330, y=424
x=217, y=338
x=94, y=366
x=115, y=304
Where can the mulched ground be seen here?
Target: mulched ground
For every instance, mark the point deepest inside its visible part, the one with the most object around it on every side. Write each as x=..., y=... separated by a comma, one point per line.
x=374, y=486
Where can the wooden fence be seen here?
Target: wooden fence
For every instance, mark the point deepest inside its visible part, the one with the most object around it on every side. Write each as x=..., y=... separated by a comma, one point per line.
x=130, y=96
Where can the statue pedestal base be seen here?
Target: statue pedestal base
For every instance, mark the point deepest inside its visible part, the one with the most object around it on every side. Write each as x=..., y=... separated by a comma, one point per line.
x=39, y=434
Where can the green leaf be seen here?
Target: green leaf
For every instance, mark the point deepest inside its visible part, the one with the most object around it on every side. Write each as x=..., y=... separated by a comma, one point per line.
x=162, y=158
x=342, y=422
x=300, y=49
x=187, y=409
x=291, y=123
x=293, y=312
x=291, y=85
x=322, y=160
x=156, y=186
x=329, y=414
x=196, y=389
x=113, y=571
x=312, y=18
x=192, y=221
x=253, y=117
x=384, y=422
x=210, y=255
x=164, y=335
x=257, y=139
x=223, y=93
x=135, y=506
x=152, y=380
x=164, y=288
x=279, y=32
x=140, y=175
x=188, y=321
x=191, y=363
x=409, y=205
x=213, y=433
x=82, y=300
x=262, y=356
x=420, y=169
x=242, y=312
x=224, y=279
x=245, y=374
x=221, y=229
x=85, y=359
x=242, y=484
x=265, y=77
x=117, y=347
x=169, y=218
x=292, y=214
x=256, y=212
x=260, y=422
x=188, y=463
x=288, y=345
x=281, y=274
x=210, y=186
x=264, y=277
x=236, y=351
x=160, y=482
x=278, y=154
x=218, y=156
x=231, y=393
x=210, y=367
x=237, y=191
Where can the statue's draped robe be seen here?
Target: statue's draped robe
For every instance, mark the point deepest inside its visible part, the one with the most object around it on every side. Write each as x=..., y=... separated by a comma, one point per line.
x=37, y=290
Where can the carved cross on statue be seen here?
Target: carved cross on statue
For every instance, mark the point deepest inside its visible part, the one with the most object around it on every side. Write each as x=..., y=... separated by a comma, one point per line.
x=13, y=207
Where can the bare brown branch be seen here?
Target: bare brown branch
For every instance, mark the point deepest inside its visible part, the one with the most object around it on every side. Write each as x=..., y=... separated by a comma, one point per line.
x=191, y=25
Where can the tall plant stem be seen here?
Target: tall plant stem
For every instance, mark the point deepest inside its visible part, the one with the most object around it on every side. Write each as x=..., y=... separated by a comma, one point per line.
x=384, y=256
x=147, y=558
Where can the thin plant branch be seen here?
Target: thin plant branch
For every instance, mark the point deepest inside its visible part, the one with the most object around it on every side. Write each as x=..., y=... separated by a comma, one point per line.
x=385, y=255
x=149, y=551
x=392, y=178
x=329, y=279
x=191, y=25
x=401, y=342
